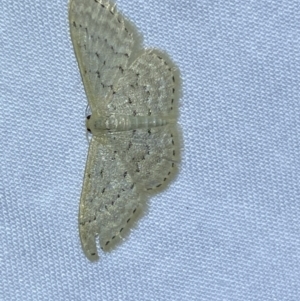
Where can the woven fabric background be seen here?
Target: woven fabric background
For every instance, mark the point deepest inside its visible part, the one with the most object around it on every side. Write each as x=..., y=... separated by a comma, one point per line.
x=228, y=228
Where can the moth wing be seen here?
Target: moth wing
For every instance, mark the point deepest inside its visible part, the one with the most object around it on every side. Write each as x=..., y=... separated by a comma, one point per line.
x=150, y=156
x=150, y=86
x=109, y=198
x=103, y=42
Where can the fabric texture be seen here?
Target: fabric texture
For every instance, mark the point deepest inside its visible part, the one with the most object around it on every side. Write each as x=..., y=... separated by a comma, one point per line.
x=227, y=228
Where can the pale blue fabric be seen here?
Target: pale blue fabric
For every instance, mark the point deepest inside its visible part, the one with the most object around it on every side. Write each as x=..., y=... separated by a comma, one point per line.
x=228, y=228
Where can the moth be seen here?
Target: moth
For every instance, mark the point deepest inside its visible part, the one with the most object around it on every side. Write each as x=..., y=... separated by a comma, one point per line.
x=133, y=97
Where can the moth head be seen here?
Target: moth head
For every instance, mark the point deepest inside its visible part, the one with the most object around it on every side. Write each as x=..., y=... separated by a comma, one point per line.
x=87, y=123
x=98, y=124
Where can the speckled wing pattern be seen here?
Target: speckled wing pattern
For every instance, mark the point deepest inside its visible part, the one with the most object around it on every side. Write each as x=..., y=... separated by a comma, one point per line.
x=103, y=44
x=122, y=80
